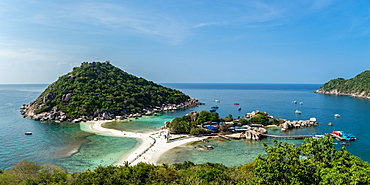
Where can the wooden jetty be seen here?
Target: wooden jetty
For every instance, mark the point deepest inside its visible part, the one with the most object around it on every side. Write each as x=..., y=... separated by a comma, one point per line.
x=295, y=137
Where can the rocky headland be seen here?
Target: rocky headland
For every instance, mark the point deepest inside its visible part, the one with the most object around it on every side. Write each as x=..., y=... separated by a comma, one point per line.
x=100, y=91
x=358, y=86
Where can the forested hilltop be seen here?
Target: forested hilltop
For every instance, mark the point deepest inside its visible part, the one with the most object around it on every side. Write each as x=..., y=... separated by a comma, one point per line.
x=102, y=91
x=359, y=86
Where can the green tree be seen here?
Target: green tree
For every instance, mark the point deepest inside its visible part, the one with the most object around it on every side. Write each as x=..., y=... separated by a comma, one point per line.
x=24, y=169
x=244, y=121
x=314, y=162
x=197, y=131
x=223, y=128
x=260, y=118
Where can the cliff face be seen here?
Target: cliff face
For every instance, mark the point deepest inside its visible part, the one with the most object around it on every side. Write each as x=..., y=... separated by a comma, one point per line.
x=102, y=91
x=359, y=86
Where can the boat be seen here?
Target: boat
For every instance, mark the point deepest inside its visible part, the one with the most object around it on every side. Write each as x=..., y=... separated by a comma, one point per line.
x=341, y=136
x=297, y=112
x=212, y=110
x=214, y=107
x=239, y=109
x=301, y=103
x=217, y=100
x=205, y=147
x=236, y=103
x=28, y=133
x=337, y=115
x=318, y=136
x=295, y=102
x=344, y=143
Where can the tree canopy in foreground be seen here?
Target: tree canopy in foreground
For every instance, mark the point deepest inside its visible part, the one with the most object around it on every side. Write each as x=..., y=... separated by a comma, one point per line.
x=314, y=162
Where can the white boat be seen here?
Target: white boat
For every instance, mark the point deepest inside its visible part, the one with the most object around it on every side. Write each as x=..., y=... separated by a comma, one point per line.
x=318, y=136
x=217, y=100
x=301, y=103
x=337, y=115
x=295, y=102
x=297, y=112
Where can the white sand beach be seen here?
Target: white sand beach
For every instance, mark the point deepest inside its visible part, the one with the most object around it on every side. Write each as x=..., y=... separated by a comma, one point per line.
x=153, y=145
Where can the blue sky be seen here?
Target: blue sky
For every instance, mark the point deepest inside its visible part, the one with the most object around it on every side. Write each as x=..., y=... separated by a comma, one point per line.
x=218, y=41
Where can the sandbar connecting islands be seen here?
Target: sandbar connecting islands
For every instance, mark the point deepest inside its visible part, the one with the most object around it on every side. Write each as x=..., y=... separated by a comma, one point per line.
x=152, y=147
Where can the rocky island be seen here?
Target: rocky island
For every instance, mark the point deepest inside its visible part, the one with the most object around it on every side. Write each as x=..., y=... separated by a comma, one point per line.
x=359, y=86
x=101, y=91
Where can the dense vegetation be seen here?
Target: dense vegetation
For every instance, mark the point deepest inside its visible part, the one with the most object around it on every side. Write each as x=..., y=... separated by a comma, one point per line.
x=190, y=122
x=314, y=162
x=102, y=86
x=356, y=85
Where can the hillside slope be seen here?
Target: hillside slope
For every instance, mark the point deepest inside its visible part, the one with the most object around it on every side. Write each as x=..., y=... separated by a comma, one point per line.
x=359, y=86
x=104, y=91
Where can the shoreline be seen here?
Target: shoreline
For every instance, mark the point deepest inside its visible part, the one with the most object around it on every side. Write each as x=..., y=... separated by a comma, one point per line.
x=153, y=145
x=337, y=93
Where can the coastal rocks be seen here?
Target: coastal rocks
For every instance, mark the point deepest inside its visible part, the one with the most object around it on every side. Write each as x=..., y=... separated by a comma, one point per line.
x=250, y=115
x=336, y=92
x=298, y=124
x=255, y=133
x=31, y=111
x=239, y=135
x=251, y=134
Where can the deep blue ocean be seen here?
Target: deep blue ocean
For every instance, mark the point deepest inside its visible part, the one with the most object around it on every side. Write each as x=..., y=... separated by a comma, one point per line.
x=66, y=145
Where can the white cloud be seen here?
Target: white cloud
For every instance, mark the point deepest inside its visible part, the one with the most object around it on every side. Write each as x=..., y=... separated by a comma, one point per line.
x=113, y=18
x=320, y=4
x=199, y=25
x=20, y=63
x=244, y=13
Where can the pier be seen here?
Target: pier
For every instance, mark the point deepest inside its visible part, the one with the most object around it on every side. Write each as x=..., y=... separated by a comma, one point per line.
x=295, y=137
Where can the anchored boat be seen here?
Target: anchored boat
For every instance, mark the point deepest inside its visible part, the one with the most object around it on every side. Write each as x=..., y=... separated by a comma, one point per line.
x=341, y=136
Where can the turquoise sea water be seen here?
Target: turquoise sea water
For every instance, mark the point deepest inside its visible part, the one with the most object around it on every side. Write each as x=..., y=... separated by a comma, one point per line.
x=57, y=143
x=66, y=145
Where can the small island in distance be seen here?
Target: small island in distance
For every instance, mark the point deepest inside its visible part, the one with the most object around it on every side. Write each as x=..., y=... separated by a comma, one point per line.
x=358, y=86
x=101, y=91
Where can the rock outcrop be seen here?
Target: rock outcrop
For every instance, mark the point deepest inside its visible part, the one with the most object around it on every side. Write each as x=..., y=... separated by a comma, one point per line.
x=362, y=94
x=29, y=111
x=298, y=124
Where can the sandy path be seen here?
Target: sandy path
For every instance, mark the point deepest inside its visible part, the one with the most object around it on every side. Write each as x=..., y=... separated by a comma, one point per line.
x=153, y=145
